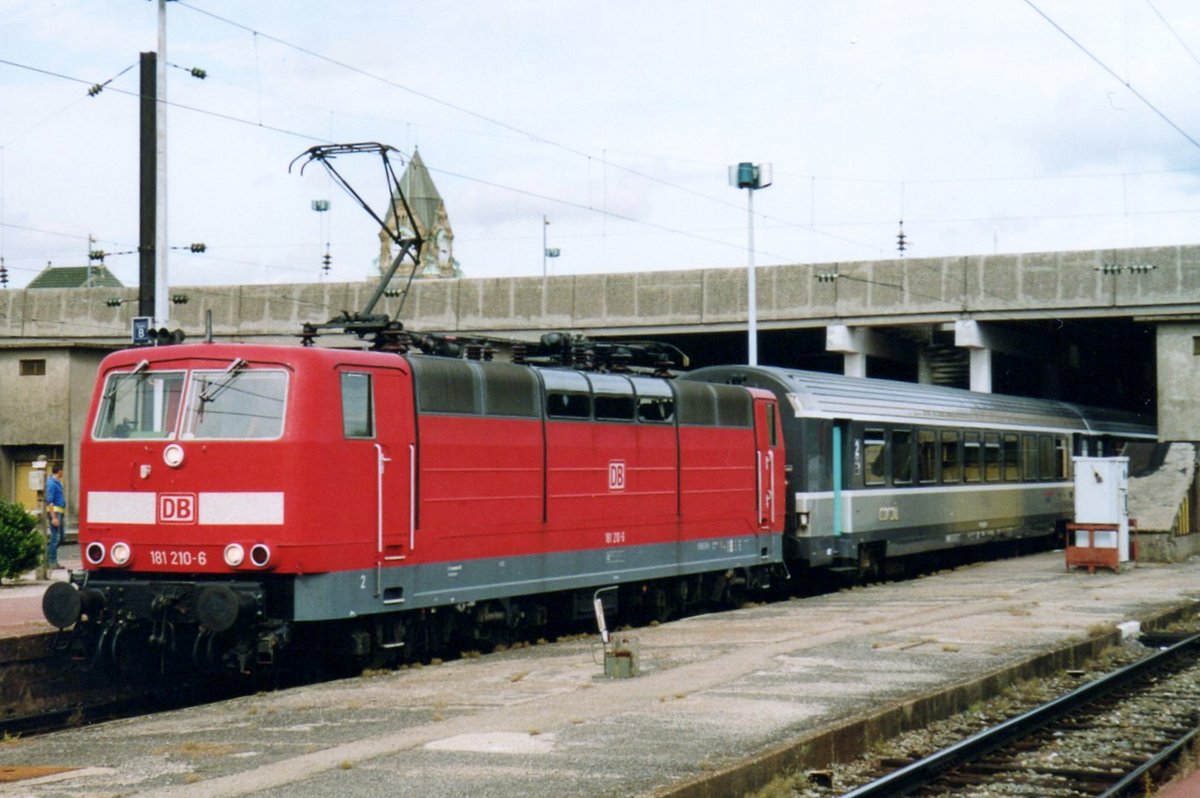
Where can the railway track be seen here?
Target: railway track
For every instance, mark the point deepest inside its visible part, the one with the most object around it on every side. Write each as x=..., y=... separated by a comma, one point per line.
x=1111, y=738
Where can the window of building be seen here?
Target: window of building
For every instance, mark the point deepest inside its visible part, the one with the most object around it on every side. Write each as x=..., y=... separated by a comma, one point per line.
x=33, y=368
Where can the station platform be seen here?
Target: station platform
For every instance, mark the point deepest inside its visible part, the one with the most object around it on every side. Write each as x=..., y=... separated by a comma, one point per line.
x=21, y=598
x=718, y=702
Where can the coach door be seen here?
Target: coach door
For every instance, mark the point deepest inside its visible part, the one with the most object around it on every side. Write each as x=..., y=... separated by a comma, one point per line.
x=377, y=422
x=769, y=456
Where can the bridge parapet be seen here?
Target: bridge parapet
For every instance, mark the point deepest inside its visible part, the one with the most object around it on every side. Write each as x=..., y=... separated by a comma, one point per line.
x=1148, y=282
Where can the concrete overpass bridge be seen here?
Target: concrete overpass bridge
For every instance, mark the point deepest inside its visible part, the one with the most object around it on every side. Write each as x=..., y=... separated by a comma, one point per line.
x=1108, y=327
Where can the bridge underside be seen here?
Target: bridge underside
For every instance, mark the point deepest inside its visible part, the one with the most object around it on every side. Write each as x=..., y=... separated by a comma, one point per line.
x=1107, y=362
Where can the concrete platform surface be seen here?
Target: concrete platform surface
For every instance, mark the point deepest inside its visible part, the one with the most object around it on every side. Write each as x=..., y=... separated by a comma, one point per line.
x=21, y=598
x=714, y=691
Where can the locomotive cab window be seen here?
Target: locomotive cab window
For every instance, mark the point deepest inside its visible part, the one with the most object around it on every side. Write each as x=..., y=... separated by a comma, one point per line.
x=236, y=404
x=358, y=406
x=140, y=404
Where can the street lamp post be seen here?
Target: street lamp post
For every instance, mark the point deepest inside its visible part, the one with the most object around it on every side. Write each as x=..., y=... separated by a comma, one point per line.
x=751, y=177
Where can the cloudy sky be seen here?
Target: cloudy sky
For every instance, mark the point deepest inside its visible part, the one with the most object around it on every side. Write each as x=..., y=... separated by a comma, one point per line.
x=987, y=126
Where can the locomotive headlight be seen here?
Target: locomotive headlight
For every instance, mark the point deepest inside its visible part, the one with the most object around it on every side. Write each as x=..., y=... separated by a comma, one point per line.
x=173, y=455
x=235, y=555
x=119, y=553
x=94, y=553
x=260, y=555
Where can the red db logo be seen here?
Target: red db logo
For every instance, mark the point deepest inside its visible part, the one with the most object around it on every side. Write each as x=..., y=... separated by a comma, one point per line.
x=616, y=475
x=177, y=508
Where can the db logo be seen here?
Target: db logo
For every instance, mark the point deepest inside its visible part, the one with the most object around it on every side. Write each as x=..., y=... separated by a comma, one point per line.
x=616, y=475
x=177, y=508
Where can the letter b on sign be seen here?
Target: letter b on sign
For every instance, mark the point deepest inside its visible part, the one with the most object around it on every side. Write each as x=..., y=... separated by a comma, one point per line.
x=177, y=508
x=616, y=475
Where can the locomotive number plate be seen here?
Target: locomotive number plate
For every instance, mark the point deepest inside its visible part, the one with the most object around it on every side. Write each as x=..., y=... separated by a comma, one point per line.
x=178, y=558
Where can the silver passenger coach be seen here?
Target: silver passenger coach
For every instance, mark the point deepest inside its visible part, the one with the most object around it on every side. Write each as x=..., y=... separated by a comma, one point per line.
x=879, y=469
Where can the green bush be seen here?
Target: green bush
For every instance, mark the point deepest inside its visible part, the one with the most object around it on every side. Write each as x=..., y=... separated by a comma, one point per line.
x=20, y=541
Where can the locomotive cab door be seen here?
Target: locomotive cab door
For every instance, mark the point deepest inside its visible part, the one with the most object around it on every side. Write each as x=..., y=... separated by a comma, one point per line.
x=769, y=456
x=377, y=420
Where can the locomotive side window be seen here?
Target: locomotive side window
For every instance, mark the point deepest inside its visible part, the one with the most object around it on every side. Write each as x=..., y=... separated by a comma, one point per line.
x=568, y=405
x=613, y=408
x=236, y=404
x=358, y=407
x=902, y=457
x=927, y=456
x=875, y=455
x=656, y=409
x=140, y=404
x=972, y=457
x=951, y=467
x=612, y=397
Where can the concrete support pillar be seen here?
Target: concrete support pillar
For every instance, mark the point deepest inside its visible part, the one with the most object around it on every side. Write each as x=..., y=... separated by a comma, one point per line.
x=982, y=340
x=855, y=344
x=981, y=370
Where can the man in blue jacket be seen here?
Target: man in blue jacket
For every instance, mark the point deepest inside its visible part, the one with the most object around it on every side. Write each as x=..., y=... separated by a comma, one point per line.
x=56, y=505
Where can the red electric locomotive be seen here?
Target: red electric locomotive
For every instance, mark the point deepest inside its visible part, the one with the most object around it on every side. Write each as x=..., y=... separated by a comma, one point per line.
x=236, y=498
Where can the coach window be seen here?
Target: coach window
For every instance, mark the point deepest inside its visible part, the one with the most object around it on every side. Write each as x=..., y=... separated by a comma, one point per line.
x=902, y=457
x=1062, y=460
x=1012, y=457
x=951, y=465
x=875, y=454
x=1046, y=456
x=358, y=410
x=972, y=457
x=993, y=458
x=927, y=456
x=1029, y=463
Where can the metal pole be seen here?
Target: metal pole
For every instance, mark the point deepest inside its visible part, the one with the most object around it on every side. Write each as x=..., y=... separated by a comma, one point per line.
x=147, y=186
x=545, y=224
x=161, y=305
x=751, y=289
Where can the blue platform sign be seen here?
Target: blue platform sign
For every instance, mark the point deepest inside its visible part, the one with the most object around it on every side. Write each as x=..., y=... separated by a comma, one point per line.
x=141, y=330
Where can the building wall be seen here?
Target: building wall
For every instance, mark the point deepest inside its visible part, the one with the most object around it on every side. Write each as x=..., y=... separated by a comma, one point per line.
x=42, y=414
x=1178, y=354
